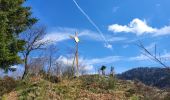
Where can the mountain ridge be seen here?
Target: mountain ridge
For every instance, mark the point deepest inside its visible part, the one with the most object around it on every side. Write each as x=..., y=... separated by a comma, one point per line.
x=152, y=76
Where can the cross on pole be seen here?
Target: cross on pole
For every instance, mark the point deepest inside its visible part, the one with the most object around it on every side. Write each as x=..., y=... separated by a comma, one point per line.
x=76, y=39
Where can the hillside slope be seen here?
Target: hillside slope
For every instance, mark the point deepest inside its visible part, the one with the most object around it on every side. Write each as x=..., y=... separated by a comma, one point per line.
x=158, y=77
x=83, y=88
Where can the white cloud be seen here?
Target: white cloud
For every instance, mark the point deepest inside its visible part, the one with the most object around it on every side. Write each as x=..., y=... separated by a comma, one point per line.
x=139, y=27
x=163, y=31
x=109, y=46
x=141, y=57
x=69, y=62
x=104, y=60
x=166, y=56
x=62, y=34
x=88, y=64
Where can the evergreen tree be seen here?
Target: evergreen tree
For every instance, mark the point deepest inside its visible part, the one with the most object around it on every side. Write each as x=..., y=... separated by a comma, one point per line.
x=14, y=19
x=103, y=68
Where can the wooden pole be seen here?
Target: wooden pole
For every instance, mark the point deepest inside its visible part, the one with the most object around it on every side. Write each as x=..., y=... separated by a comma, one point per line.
x=77, y=60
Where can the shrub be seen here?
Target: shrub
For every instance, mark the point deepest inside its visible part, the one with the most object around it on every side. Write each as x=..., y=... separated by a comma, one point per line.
x=96, y=82
x=53, y=79
x=167, y=97
x=134, y=97
x=7, y=84
x=130, y=92
x=111, y=83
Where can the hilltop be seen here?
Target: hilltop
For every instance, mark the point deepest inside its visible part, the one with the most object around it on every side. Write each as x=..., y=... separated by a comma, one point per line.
x=89, y=87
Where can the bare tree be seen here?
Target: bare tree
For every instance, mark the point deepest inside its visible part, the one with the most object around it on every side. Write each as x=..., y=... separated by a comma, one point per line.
x=112, y=72
x=36, y=65
x=34, y=41
x=51, y=57
x=153, y=56
x=82, y=68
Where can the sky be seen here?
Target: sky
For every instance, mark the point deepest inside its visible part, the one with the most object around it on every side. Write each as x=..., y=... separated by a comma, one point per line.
x=108, y=30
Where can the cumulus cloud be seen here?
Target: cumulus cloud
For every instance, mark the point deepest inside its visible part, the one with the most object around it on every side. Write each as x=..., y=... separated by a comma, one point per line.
x=139, y=27
x=88, y=64
x=69, y=61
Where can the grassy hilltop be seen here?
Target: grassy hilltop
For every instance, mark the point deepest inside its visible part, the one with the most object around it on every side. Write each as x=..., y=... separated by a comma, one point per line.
x=89, y=87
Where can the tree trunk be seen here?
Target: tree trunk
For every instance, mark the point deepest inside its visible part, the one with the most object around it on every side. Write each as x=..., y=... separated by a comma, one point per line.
x=103, y=72
x=26, y=67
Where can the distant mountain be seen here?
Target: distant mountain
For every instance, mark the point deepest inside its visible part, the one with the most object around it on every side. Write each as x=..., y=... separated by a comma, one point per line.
x=158, y=77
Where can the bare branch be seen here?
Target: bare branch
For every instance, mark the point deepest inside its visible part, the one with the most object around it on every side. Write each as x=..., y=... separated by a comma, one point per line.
x=33, y=38
x=150, y=55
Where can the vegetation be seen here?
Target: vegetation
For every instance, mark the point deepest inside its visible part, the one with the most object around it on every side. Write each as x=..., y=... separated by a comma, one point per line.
x=103, y=68
x=14, y=19
x=33, y=41
x=50, y=79
x=158, y=77
x=7, y=84
x=90, y=87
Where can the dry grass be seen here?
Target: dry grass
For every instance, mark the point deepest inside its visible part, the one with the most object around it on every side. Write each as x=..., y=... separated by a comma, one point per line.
x=83, y=88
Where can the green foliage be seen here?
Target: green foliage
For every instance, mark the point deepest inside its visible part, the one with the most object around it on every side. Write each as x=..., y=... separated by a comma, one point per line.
x=134, y=97
x=112, y=83
x=98, y=83
x=103, y=68
x=14, y=19
x=7, y=84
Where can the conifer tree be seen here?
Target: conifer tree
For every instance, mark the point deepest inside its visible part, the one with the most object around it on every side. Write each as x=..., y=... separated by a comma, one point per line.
x=14, y=19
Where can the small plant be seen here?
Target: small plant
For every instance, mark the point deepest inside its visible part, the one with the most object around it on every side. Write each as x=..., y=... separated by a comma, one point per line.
x=111, y=83
x=134, y=97
x=97, y=83
x=130, y=92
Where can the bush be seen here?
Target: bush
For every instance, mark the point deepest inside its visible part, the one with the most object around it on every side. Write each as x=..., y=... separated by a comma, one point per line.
x=130, y=92
x=53, y=79
x=167, y=97
x=134, y=97
x=96, y=82
x=7, y=84
x=111, y=83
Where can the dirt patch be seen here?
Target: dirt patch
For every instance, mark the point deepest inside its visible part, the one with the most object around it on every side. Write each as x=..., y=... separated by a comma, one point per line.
x=12, y=96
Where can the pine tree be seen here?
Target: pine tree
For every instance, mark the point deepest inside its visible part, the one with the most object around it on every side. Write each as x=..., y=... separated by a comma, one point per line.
x=14, y=19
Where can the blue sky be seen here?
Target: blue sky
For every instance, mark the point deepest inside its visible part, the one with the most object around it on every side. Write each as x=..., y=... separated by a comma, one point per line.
x=121, y=22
